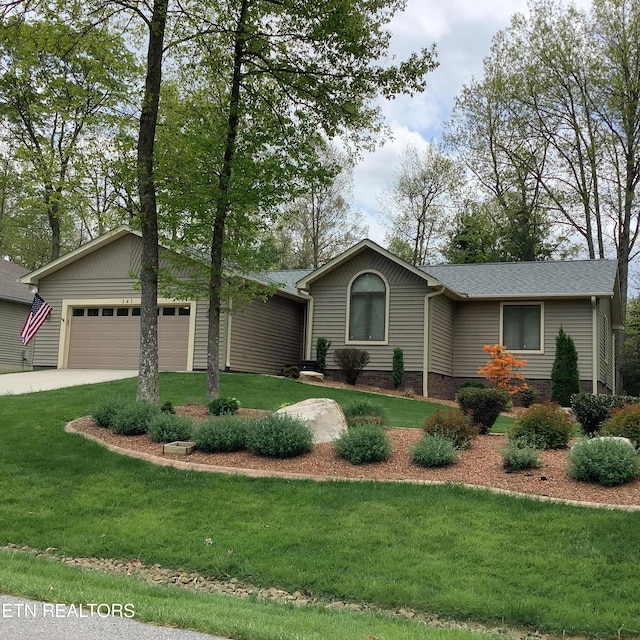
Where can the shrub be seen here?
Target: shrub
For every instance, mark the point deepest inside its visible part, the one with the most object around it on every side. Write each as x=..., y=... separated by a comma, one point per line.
x=565, y=379
x=398, y=367
x=104, y=412
x=279, y=436
x=608, y=462
x=364, y=411
x=592, y=410
x=483, y=406
x=167, y=407
x=543, y=426
x=433, y=450
x=625, y=423
x=223, y=433
x=168, y=427
x=322, y=346
x=223, y=406
x=291, y=372
x=133, y=419
x=516, y=457
x=351, y=362
x=527, y=396
x=363, y=444
x=470, y=384
x=453, y=426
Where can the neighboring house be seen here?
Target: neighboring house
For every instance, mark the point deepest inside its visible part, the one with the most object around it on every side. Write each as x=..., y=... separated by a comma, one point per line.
x=442, y=316
x=15, y=304
x=365, y=298
x=95, y=318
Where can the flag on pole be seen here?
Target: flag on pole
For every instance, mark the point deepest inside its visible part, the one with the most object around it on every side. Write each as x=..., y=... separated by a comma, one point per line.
x=40, y=311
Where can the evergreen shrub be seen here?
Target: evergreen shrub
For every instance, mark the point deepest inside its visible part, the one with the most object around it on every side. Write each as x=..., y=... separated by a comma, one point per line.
x=222, y=434
x=625, y=423
x=398, y=367
x=133, y=419
x=279, y=436
x=322, y=347
x=223, y=406
x=104, y=412
x=592, y=410
x=483, y=406
x=565, y=378
x=363, y=444
x=168, y=427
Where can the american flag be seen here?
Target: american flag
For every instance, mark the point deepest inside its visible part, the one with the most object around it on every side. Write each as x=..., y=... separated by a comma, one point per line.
x=40, y=311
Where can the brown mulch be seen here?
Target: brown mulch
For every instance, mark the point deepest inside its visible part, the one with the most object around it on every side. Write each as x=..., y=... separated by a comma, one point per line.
x=480, y=465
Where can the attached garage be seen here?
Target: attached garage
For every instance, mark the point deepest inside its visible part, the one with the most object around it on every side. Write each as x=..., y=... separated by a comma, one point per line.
x=108, y=337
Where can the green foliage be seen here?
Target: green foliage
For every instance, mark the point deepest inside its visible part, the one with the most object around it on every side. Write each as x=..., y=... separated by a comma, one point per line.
x=398, y=367
x=222, y=434
x=364, y=411
x=223, y=406
x=167, y=407
x=104, y=412
x=625, y=423
x=470, y=384
x=483, y=406
x=291, y=372
x=518, y=456
x=351, y=362
x=543, y=426
x=364, y=444
x=322, y=347
x=527, y=396
x=279, y=436
x=434, y=450
x=474, y=238
x=452, y=425
x=168, y=427
x=593, y=409
x=565, y=378
x=603, y=460
x=133, y=419
x=631, y=368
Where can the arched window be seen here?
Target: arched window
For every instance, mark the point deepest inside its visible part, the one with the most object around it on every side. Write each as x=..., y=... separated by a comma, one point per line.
x=367, y=308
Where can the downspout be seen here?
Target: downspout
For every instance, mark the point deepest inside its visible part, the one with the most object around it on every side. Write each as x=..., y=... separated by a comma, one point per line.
x=307, y=345
x=227, y=341
x=425, y=341
x=613, y=362
x=595, y=351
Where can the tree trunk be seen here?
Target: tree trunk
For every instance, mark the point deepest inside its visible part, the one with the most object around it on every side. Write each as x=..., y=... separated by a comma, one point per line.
x=222, y=210
x=148, y=385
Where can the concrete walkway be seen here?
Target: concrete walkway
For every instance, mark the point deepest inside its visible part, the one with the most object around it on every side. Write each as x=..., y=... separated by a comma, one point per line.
x=30, y=381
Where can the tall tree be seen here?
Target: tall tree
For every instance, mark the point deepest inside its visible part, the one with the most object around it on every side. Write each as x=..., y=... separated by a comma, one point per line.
x=418, y=202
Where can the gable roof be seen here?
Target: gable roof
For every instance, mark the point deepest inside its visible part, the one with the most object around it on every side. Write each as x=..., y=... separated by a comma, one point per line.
x=10, y=288
x=571, y=278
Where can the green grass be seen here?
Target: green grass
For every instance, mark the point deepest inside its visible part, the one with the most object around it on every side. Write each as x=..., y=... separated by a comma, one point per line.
x=445, y=550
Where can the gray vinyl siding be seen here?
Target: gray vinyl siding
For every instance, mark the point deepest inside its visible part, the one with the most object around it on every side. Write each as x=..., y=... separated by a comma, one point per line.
x=12, y=318
x=406, y=314
x=267, y=336
x=441, y=335
x=478, y=323
x=605, y=347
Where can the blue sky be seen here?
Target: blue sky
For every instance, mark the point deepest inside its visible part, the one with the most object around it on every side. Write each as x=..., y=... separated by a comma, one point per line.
x=462, y=31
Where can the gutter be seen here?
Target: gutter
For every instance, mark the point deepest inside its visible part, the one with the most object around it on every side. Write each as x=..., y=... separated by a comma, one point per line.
x=594, y=346
x=309, y=330
x=425, y=363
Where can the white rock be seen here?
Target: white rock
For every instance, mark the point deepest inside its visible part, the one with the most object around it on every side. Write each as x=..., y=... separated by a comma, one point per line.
x=313, y=376
x=324, y=417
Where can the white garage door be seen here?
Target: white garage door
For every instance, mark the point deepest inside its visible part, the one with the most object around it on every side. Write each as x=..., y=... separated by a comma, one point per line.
x=109, y=337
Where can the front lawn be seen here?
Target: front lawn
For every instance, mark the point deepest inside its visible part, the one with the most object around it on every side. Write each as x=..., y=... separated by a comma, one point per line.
x=444, y=550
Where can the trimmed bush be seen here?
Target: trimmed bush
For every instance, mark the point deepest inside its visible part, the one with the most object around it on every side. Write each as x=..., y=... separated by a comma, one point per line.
x=434, y=450
x=470, y=384
x=168, y=427
x=593, y=409
x=452, y=425
x=279, y=436
x=364, y=412
x=543, y=426
x=223, y=406
x=104, y=412
x=364, y=444
x=607, y=462
x=517, y=457
x=483, y=406
x=351, y=362
x=565, y=379
x=222, y=434
x=133, y=419
x=291, y=372
x=625, y=423
x=527, y=396
x=322, y=346
x=398, y=367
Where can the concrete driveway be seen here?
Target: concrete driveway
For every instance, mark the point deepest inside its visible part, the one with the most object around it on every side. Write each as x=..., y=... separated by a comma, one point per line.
x=30, y=381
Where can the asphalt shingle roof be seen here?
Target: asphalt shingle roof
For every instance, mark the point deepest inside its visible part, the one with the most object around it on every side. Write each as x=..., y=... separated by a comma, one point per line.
x=10, y=288
x=567, y=278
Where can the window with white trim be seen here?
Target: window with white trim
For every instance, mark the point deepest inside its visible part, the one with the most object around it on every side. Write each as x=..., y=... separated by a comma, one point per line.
x=522, y=327
x=368, y=308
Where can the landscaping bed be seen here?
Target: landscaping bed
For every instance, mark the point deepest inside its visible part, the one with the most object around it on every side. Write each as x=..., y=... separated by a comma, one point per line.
x=479, y=465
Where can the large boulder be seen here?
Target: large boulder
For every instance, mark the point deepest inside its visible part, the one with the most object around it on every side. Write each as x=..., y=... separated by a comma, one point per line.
x=324, y=417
